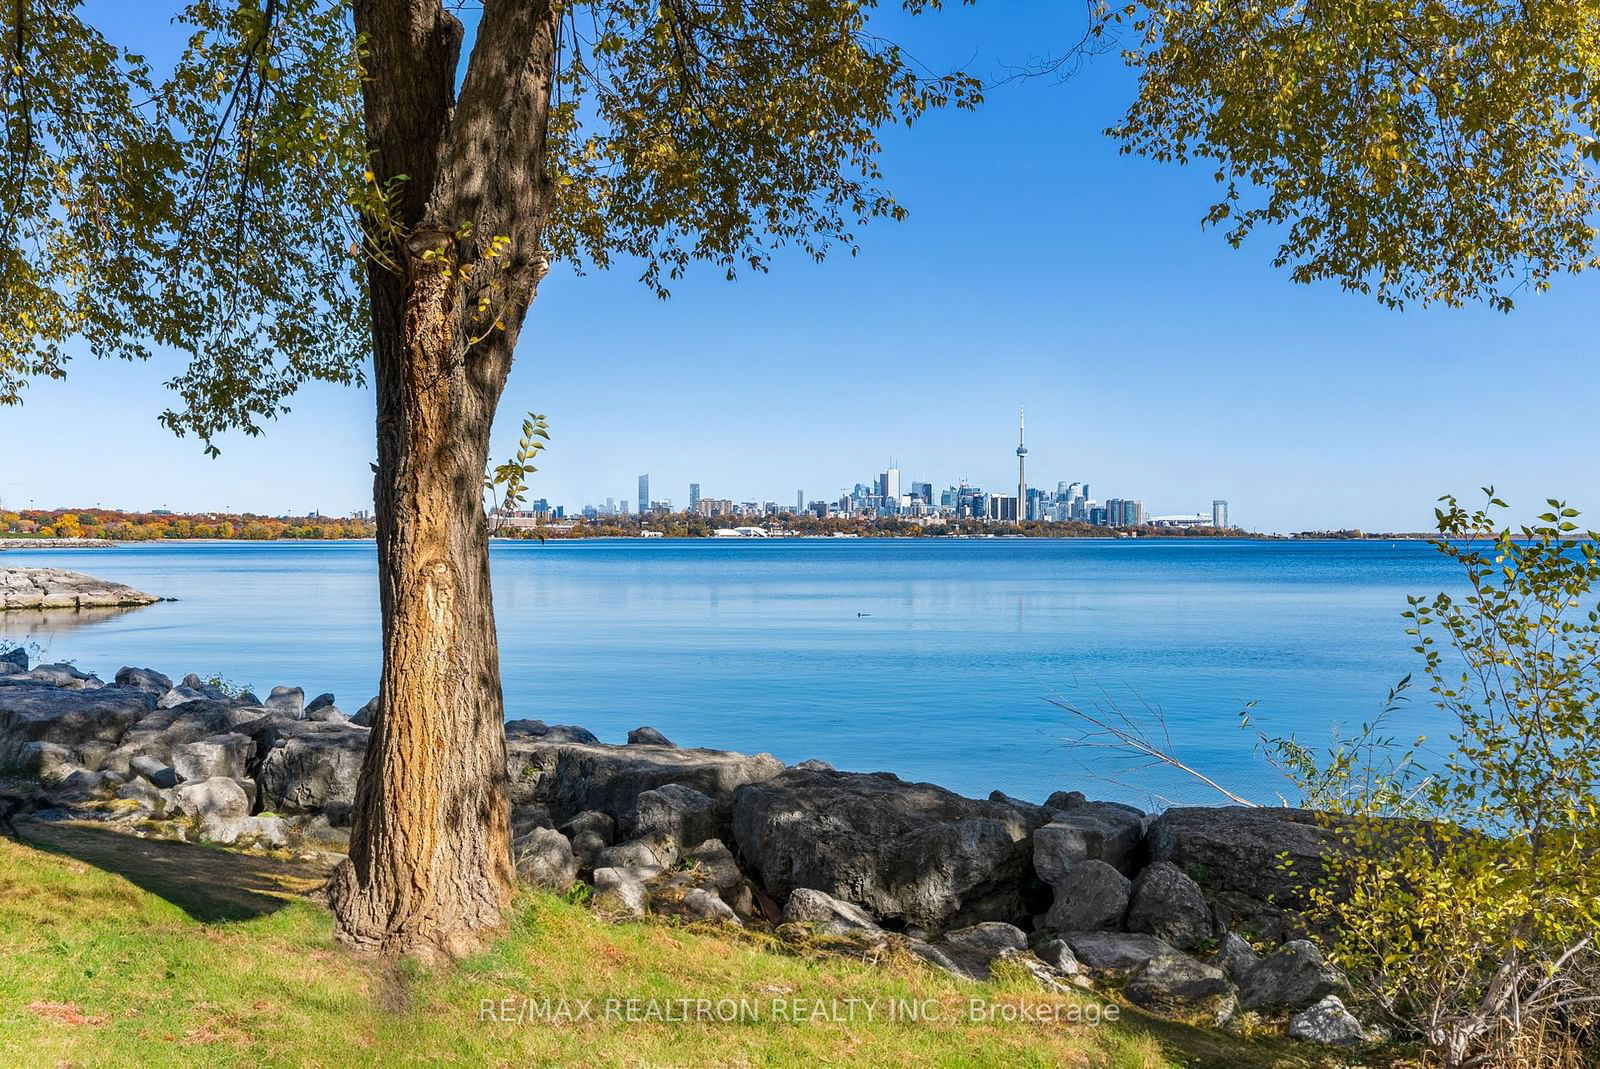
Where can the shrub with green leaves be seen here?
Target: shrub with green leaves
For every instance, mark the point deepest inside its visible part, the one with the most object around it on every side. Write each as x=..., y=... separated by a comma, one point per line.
x=1466, y=905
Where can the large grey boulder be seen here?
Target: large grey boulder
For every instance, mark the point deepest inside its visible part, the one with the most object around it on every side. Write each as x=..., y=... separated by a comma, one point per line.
x=310, y=767
x=364, y=715
x=321, y=701
x=290, y=701
x=1091, y=897
x=87, y=723
x=712, y=866
x=807, y=905
x=648, y=736
x=147, y=679
x=623, y=890
x=675, y=814
x=159, y=773
x=1328, y=1023
x=633, y=854
x=182, y=694
x=538, y=729
x=211, y=799
x=913, y=852
x=14, y=659
x=1174, y=985
x=1234, y=956
x=162, y=732
x=1290, y=978
x=1255, y=865
x=215, y=755
x=571, y=777
x=544, y=859
x=1167, y=903
x=1112, y=955
x=48, y=762
x=1080, y=830
x=974, y=949
x=66, y=676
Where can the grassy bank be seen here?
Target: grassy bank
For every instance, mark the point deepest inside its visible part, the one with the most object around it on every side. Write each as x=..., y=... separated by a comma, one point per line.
x=173, y=962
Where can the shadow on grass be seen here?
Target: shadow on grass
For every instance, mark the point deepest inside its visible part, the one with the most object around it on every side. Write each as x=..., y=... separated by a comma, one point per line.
x=207, y=883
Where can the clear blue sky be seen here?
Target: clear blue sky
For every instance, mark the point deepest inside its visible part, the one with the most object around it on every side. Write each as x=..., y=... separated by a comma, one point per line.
x=1037, y=266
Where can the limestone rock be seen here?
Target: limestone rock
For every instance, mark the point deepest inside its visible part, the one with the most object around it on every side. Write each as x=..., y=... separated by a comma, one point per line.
x=290, y=701
x=632, y=854
x=1167, y=903
x=216, y=755
x=146, y=679
x=1290, y=978
x=53, y=588
x=88, y=723
x=1175, y=985
x=544, y=859
x=913, y=852
x=674, y=814
x=975, y=949
x=311, y=767
x=1234, y=956
x=623, y=890
x=1111, y=955
x=1092, y=896
x=1327, y=1022
x=216, y=798
x=648, y=736
x=828, y=913
x=1085, y=831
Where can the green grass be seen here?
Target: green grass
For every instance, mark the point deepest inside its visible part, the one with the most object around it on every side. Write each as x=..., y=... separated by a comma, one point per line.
x=97, y=970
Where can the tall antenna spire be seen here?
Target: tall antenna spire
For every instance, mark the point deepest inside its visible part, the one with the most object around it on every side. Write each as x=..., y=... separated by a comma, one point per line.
x=1022, y=462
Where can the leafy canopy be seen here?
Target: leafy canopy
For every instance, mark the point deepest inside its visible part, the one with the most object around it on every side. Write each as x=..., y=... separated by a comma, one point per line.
x=1417, y=150
x=225, y=208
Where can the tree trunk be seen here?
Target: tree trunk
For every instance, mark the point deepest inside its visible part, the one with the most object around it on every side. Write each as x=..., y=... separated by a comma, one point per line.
x=430, y=868
x=430, y=862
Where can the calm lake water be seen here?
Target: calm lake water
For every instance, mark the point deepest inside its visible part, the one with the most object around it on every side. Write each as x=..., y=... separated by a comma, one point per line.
x=932, y=659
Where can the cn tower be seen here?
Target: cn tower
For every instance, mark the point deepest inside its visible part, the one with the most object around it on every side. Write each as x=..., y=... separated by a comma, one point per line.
x=1022, y=469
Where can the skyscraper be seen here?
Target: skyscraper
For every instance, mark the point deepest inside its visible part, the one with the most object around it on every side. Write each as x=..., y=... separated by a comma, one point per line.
x=799, y=500
x=1022, y=463
x=889, y=485
x=1219, y=513
x=644, y=494
x=694, y=496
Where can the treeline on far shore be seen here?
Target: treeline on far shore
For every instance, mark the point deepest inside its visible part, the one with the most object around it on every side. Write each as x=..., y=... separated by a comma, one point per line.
x=154, y=526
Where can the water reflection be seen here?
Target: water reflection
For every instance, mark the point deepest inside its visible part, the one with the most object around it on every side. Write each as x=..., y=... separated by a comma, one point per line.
x=28, y=623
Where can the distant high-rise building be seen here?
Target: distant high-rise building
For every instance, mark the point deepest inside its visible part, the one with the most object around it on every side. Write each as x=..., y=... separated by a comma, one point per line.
x=922, y=492
x=1124, y=513
x=799, y=500
x=889, y=485
x=694, y=497
x=644, y=493
x=1219, y=513
x=1002, y=509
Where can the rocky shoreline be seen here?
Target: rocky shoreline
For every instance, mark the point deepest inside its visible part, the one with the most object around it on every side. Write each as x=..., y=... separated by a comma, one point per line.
x=53, y=588
x=1189, y=913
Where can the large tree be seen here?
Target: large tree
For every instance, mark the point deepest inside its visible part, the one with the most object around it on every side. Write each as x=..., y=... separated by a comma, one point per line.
x=313, y=185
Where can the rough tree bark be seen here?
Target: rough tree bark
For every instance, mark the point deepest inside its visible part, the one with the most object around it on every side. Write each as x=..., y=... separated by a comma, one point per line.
x=430, y=868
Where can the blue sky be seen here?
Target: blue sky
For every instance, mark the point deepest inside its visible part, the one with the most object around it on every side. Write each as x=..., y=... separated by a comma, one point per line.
x=1037, y=266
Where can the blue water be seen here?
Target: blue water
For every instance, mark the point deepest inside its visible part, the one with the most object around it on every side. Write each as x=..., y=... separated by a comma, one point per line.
x=932, y=659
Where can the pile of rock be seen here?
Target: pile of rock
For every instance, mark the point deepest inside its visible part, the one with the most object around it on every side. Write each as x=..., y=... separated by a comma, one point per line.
x=1169, y=911
x=53, y=588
